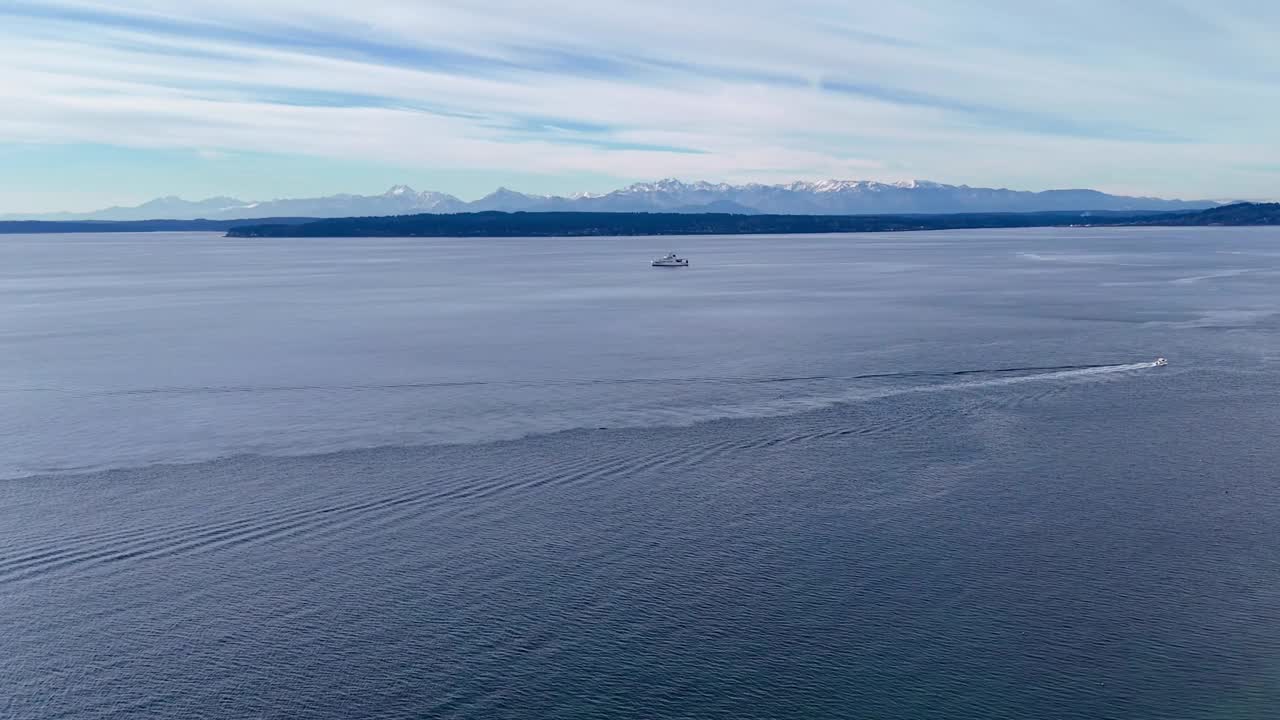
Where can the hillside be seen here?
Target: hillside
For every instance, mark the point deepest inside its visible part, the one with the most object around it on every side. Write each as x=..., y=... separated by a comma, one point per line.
x=1238, y=214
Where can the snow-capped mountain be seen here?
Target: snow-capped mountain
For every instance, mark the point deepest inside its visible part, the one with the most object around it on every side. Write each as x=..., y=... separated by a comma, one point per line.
x=824, y=197
x=848, y=197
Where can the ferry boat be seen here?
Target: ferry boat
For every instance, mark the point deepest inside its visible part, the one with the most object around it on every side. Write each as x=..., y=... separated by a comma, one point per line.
x=671, y=260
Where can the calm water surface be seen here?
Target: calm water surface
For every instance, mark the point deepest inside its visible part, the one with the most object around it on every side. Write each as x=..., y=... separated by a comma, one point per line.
x=874, y=476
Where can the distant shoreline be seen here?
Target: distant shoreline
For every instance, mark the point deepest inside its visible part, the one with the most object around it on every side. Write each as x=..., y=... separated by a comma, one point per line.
x=593, y=224
x=44, y=227
x=604, y=224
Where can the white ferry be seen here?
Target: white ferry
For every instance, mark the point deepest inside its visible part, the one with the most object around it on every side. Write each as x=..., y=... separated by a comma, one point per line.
x=671, y=260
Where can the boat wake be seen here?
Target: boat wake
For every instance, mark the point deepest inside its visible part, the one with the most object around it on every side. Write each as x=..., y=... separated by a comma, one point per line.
x=566, y=382
x=529, y=417
x=971, y=380
x=564, y=462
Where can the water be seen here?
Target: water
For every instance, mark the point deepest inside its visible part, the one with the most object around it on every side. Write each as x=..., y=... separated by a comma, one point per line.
x=881, y=476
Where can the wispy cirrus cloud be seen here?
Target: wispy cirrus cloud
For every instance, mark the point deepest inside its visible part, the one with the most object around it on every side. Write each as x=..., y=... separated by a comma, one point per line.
x=1161, y=95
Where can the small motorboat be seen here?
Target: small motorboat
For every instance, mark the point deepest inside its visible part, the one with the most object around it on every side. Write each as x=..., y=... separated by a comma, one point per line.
x=671, y=260
x=1160, y=362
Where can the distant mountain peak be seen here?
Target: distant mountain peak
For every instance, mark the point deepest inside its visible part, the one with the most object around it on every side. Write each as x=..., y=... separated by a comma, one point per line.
x=400, y=190
x=920, y=185
x=506, y=193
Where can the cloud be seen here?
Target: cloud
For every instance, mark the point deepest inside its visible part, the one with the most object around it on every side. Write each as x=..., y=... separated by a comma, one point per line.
x=1158, y=94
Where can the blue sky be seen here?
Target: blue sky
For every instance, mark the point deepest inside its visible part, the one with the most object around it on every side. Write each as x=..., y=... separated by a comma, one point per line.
x=118, y=102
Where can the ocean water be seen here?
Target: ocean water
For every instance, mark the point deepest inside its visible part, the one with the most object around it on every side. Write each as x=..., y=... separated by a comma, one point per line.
x=923, y=475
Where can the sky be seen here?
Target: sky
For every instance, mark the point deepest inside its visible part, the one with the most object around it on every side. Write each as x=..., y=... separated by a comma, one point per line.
x=122, y=101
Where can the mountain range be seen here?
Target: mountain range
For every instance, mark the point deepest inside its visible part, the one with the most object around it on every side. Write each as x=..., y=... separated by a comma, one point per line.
x=827, y=197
